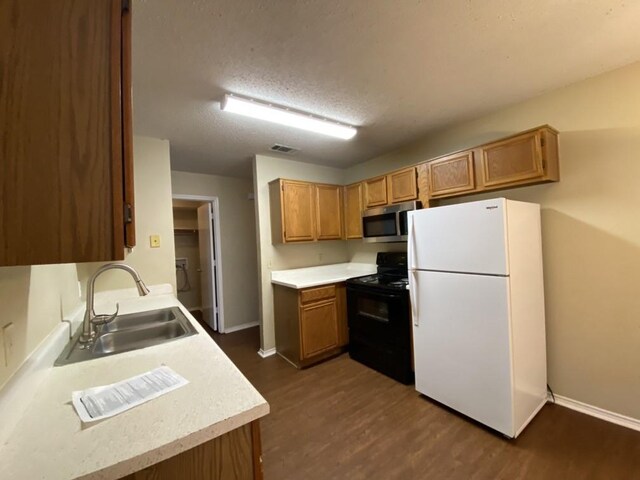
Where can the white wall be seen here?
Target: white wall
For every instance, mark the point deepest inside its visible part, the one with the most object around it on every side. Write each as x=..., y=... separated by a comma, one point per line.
x=591, y=228
x=154, y=216
x=281, y=257
x=34, y=299
x=237, y=240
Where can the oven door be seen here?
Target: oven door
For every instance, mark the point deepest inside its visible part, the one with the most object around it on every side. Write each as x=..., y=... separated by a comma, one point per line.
x=380, y=331
x=379, y=315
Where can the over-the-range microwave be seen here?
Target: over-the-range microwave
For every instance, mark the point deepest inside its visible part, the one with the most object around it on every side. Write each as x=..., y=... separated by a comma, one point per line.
x=387, y=224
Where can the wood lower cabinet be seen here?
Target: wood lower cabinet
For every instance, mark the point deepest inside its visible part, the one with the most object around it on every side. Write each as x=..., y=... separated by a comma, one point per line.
x=353, y=211
x=451, y=174
x=236, y=455
x=375, y=192
x=402, y=185
x=66, y=184
x=525, y=158
x=311, y=323
x=329, y=212
x=318, y=328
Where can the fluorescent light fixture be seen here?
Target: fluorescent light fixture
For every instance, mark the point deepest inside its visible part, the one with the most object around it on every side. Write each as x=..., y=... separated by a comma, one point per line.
x=270, y=113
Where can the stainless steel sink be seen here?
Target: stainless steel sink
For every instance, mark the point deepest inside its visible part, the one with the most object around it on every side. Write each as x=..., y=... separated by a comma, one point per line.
x=129, y=332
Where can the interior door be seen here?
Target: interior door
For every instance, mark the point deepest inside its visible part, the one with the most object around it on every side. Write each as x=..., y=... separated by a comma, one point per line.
x=462, y=344
x=207, y=265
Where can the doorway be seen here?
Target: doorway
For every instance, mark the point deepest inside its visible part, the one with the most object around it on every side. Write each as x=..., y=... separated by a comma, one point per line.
x=196, y=223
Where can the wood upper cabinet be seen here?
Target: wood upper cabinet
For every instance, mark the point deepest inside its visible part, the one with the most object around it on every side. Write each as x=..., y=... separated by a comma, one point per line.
x=451, y=174
x=375, y=192
x=310, y=323
x=329, y=212
x=353, y=210
x=292, y=211
x=305, y=211
x=395, y=187
x=402, y=185
x=524, y=158
x=65, y=116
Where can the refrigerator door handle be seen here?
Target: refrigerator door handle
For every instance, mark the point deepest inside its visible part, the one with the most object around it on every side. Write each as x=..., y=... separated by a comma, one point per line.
x=413, y=297
x=412, y=241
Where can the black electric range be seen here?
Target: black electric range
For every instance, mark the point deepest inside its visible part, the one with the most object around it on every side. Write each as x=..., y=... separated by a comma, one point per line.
x=379, y=317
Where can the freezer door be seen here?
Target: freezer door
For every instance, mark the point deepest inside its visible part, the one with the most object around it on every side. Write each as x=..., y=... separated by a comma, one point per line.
x=468, y=237
x=462, y=344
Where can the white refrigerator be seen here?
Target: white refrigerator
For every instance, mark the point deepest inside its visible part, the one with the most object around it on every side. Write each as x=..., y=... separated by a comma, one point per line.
x=477, y=299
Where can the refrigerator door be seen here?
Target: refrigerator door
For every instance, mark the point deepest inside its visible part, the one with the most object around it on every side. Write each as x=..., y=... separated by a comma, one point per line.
x=462, y=344
x=467, y=238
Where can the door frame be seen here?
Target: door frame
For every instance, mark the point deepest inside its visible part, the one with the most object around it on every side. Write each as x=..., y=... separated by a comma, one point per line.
x=215, y=208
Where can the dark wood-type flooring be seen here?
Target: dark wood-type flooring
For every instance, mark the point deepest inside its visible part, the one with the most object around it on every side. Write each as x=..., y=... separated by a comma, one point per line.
x=341, y=420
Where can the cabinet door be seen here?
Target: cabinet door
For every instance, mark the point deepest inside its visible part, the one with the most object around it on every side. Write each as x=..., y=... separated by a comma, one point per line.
x=375, y=192
x=127, y=130
x=451, y=174
x=318, y=328
x=298, y=211
x=513, y=160
x=61, y=118
x=403, y=185
x=353, y=210
x=329, y=212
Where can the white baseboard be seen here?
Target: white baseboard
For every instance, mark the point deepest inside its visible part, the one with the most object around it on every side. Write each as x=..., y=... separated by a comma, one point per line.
x=266, y=353
x=242, y=326
x=601, y=413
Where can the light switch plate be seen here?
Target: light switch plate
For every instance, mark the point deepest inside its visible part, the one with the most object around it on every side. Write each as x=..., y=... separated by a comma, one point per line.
x=154, y=241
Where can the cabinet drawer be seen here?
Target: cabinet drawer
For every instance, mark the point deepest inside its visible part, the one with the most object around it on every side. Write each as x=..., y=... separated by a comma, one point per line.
x=317, y=293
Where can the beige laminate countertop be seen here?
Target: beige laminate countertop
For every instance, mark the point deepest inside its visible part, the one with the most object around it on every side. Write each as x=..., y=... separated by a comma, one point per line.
x=322, y=275
x=50, y=442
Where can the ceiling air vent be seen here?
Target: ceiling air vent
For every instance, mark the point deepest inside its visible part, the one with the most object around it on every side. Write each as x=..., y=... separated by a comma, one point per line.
x=284, y=149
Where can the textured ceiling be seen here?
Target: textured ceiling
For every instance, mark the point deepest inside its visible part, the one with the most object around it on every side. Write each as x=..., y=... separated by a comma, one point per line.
x=394, y=68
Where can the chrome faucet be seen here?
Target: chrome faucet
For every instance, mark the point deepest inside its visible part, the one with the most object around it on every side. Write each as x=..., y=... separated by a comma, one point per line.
x=90, y=318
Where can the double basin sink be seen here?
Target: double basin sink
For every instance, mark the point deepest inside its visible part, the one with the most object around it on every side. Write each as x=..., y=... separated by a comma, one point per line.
x=129, y=332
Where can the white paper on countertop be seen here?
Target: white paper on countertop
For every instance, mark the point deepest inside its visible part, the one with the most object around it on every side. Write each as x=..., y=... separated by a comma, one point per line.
x=108, y=400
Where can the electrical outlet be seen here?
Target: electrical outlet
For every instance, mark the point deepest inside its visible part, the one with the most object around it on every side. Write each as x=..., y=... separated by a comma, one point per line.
x=154, y=241
x=320, y=255
x=8, y=341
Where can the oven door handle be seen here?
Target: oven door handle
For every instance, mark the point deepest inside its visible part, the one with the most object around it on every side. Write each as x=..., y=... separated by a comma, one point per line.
x=370, y=293
x=413, y=297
